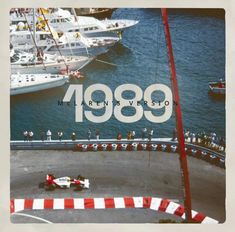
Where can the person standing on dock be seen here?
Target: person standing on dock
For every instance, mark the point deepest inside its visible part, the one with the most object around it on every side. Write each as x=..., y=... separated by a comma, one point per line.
x=60, y=134
x=97, y=134
x=150, y=134
x=89, y=134
x=186, y=135
x=25, y=133
x=42, y=135
x=144, y=131
x=174, y=134
x=49, y=135
x=119, y=136
x=133, y=134
x=73, y=136
x=129, y=135
x=30, y=135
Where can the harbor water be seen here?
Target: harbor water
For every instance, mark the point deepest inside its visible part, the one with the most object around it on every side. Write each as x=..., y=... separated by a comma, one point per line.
x=140, y=58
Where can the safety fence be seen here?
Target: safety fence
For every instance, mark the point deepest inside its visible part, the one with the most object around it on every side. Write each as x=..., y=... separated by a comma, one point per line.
x=153, y=203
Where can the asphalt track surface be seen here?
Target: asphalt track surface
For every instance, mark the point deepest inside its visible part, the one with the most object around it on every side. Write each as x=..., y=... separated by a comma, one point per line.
x=115, y=174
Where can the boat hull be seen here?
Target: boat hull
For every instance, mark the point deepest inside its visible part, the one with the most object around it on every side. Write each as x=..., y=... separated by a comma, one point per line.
x=100, y=14
x=217, y=88
x=82, y=51
x=220, y=91
x=38, y=87
x=50, y=68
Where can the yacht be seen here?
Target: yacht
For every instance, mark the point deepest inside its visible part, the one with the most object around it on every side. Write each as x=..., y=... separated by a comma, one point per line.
x=217, y=87
x=28, y=83
x=22, y=39
x=70, y=43
x=99, y=13
x=63, y=21
x=89, y=26
x=27, y=63
x=73, y=43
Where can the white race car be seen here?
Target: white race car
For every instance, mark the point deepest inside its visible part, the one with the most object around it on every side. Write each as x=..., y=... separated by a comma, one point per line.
x=65, y=182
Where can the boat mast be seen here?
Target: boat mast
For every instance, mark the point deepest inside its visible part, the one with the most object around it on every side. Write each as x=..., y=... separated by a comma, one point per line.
x=33, y=34
x=179, y=123
x=34, y=29
x=75, y=14
x=57, y=46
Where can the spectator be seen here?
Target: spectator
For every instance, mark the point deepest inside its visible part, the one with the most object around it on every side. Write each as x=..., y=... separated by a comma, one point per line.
x=129, y=135
x=144, y=131
x=30, y=136
x=191, y=137
x=25, y=133
x=73, y=136
x=42, y=135
x=186, y=135
x=119, y=136
x=89, y=134
x=197, y=137
x=150, y=134
x=174, y=134
x=133, y=134
x=97, y=134
x=49, y=135
x=60, y=135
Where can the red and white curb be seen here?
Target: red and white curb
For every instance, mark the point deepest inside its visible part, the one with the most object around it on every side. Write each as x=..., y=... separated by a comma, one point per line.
x=153, y=203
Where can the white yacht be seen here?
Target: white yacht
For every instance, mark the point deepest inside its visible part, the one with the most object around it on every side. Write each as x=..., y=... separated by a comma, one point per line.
x=28, y=83
x=22, y=39
x=70, y=43
x=73, y=43
x=63, y=21
x=27, y=63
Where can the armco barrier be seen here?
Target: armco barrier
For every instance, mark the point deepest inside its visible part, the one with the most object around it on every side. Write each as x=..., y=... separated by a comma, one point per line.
x=153, y=203
x=156, y=144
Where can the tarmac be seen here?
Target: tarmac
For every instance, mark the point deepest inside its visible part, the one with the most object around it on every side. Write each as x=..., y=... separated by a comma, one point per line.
x=115, y=174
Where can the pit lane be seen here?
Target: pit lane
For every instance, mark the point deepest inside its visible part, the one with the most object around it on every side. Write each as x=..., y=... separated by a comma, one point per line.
x=116, y=174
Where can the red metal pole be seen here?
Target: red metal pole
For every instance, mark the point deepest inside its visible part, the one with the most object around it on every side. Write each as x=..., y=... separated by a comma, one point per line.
x=179, y=123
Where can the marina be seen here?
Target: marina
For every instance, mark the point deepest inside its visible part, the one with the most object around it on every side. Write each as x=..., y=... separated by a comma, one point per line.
x=129, y=102
x=199, y=55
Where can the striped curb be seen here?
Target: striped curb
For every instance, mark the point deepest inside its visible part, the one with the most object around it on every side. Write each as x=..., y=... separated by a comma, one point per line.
x=194, y=152
x=153, y=203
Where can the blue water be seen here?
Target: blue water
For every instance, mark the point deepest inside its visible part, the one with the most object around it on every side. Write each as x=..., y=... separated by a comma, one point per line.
x=141, y=59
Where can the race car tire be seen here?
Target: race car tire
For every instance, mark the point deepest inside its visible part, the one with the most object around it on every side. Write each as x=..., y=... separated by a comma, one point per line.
x=49, y=187
x=79, y=188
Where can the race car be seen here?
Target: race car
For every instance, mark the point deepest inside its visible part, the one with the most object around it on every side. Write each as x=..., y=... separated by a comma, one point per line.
x=65, y=182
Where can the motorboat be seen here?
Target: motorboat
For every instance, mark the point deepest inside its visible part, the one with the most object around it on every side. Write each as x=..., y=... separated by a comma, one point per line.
x=22, y=39
x=70, y=43
x=63, y=21
x=28, y=83
x=93, y=27
x=99, y=13
x=27, y=63
x=74, y=43
x=217, y=87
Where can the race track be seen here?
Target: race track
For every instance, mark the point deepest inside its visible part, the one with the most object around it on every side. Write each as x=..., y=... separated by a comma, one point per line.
x=116, y=174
